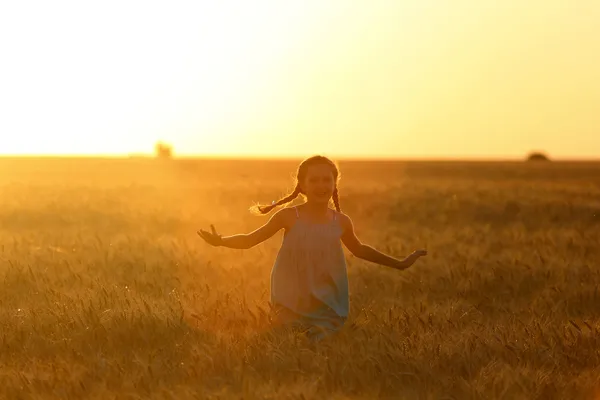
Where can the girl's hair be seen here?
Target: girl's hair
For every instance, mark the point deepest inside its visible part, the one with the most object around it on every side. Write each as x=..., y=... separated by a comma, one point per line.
x=300, y=175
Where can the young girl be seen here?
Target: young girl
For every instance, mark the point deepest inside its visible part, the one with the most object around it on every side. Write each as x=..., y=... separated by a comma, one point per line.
x=309, y=284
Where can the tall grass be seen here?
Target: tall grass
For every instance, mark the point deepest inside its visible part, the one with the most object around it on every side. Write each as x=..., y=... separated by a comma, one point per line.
x=107, y=292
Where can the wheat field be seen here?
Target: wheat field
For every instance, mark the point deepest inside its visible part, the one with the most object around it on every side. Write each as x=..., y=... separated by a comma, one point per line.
x=108, y=293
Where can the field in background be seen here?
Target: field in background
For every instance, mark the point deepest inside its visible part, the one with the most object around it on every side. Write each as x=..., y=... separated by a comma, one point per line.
x=107, y=292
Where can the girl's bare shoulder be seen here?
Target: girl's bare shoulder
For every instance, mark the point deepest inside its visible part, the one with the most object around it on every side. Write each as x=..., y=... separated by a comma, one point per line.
x=287, y=216
x=345, y=220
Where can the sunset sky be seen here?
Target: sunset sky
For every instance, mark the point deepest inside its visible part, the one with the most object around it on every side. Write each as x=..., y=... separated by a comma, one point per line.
x=397, y=78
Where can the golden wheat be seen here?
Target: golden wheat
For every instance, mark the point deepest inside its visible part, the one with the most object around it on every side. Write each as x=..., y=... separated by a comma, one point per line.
x=107, y=292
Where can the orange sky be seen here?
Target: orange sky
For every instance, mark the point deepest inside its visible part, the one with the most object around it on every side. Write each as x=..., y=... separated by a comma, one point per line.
x=418, y=78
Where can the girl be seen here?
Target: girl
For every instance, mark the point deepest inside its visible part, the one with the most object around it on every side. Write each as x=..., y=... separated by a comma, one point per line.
x=309, y=284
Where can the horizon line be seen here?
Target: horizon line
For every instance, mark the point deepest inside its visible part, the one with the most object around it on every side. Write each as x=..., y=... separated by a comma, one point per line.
x=239, y=157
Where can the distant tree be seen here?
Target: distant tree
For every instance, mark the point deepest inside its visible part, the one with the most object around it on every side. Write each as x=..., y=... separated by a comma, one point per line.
x=537, y=156
x=163, y=150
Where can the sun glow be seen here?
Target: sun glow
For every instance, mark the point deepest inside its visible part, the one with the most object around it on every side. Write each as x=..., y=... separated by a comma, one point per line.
x=115, y=77
x=377, y=79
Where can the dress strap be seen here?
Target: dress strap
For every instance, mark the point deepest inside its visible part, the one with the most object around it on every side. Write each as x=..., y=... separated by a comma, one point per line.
x=297, y=215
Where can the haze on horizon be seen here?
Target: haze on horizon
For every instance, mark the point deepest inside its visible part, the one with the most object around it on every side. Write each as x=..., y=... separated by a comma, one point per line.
x=414, y=78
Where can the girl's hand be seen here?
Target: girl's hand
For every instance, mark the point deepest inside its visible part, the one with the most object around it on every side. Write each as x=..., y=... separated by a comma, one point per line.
x=214, y=239
x=419, y=253
x=411, y=259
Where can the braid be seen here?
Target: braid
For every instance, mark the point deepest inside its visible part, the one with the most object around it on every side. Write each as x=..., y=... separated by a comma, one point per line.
x=285, y=200
x=336, y=199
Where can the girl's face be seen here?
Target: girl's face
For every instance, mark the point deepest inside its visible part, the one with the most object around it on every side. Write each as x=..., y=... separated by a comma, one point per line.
x=318, y=184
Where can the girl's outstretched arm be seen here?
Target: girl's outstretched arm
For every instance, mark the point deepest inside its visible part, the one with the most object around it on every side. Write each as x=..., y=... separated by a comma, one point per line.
x=246, y=240
x=368, y=253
